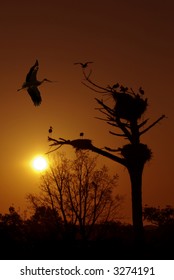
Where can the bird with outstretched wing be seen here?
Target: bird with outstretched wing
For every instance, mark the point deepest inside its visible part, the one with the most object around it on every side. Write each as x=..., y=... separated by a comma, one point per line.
x=83, y=65
x=35, y=95
x=31, y=84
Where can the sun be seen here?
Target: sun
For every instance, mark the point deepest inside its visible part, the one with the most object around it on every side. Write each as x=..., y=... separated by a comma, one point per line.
x=39, y=163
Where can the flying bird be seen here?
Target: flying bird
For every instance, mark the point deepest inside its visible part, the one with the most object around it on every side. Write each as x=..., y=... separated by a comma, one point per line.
x=31, y=84
x=84, y=65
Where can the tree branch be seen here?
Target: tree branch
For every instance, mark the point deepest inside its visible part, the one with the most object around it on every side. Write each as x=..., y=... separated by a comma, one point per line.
x=99, y=91
x=85, y=144
x=124, y=129
x=104, y=89
x=105, y=107
x=112, y=150
x=117, y=134
x=154, y=123
x=143, y=123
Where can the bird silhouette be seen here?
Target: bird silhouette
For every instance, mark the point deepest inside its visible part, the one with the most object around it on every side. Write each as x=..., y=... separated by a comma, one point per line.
x=141, y=91
x=116, y=85
x=123, y=89
x=50, y=130
x=81, y=134
x=31, y=84
x=84, y=65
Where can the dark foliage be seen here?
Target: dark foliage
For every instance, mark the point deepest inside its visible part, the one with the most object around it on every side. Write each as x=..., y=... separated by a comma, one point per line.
x=42, y=238
x=159, y=216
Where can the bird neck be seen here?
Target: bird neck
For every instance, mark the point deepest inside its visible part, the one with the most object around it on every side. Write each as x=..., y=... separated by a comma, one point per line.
x=41, y=82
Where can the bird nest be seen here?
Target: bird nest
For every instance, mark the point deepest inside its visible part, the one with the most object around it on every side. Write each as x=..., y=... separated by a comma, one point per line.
x=137, y=152
x=129, y=107
x=81, y=144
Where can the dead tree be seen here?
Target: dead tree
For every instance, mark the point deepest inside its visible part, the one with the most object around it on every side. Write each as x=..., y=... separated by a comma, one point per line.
x=125, y=116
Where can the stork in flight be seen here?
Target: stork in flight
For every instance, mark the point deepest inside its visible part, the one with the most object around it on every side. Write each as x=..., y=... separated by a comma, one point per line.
x=84, y=65
x=31, y=84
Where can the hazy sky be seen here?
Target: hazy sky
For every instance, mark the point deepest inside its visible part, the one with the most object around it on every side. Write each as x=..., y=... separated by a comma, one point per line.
x=130, y=42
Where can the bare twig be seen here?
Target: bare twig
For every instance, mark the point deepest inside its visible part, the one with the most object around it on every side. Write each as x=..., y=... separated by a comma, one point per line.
x=94, y=84
x=112, y=150
x=117, y=134
x=99, y=91
x=154, y=123
x=143, y=123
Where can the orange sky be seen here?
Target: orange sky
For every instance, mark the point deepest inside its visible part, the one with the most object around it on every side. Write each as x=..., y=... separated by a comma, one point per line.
x=130, y=42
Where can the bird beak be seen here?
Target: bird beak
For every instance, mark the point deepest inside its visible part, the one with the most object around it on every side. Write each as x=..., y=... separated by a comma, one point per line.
x=50, y=81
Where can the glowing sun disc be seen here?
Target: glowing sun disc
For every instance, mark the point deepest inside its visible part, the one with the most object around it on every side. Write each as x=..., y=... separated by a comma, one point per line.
x=39, y=163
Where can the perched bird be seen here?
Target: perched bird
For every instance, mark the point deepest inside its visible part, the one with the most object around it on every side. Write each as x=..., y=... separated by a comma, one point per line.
x=84, y=65
x=123, y=89
x=141, y=90
x=31, y=84
x=81, y=134
x=115, y=85
x=50, y=130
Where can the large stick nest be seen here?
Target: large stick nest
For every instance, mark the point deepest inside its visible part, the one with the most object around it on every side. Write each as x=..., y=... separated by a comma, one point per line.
x=137, y=152
x=129, y=107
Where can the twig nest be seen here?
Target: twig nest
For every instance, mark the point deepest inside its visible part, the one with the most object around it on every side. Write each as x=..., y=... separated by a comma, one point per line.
x=137, y=152
x=129, y=107
x=81, y=144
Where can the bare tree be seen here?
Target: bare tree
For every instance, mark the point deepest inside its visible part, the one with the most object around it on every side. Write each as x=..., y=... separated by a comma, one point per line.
x=80, y=193
x=123, y=109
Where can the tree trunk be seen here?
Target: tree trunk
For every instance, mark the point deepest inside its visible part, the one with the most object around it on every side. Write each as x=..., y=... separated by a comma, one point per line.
x=135, y=173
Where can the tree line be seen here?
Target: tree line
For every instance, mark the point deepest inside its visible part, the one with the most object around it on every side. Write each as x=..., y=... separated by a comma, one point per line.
x=78, y=214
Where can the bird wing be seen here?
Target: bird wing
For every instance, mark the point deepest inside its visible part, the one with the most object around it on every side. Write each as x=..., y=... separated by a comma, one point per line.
x=35, y=95
x=31, y=76
x=83, y=63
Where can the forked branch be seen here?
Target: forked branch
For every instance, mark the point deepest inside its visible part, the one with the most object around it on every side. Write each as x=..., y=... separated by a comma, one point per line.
x=153, y=124
x=84, y=144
